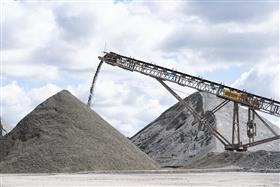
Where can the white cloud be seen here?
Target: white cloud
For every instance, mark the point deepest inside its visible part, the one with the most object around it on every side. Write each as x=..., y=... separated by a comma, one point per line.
x=16, y=102
x=263, y=79
x=128, y=101
x=36, y=72
x=230, y=11
x=51, y=44
x=222, y=44
x=42, y=93
x=25, y=28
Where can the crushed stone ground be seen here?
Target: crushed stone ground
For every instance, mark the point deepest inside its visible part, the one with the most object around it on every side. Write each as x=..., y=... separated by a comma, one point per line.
x=258, y=160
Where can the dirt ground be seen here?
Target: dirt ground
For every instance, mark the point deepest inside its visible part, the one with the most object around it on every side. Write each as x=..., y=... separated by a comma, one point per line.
x=224, y=179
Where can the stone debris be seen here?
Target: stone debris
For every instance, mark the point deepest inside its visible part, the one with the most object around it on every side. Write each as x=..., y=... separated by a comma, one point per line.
x=258, y=160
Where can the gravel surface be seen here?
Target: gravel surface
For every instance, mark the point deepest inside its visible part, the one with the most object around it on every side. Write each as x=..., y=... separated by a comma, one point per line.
x=222, y=179
x=64, y=135
x=259, y=160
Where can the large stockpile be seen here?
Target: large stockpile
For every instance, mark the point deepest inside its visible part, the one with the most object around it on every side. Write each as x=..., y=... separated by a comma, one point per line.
x=63, y=135
x=176, y=139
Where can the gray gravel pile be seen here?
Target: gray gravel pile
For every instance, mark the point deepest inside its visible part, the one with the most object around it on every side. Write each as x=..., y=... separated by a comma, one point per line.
x=176, y=139
x=63, y=135
x=265, y=160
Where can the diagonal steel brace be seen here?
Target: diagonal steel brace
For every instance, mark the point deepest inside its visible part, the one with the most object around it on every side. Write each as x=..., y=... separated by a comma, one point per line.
x=202, y=120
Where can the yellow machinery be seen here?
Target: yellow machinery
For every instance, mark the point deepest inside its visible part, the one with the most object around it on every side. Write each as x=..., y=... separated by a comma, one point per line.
x=241, y=98
x=232, y=94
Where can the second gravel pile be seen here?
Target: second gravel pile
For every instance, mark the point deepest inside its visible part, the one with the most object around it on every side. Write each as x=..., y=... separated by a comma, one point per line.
x=63, y=135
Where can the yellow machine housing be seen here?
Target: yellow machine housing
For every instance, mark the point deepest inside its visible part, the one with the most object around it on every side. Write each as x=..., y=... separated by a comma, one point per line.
x=232, y=94
x=242, y=98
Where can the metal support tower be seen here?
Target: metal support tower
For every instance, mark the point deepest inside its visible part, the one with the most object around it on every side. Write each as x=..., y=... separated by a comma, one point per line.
x=251, y=125
x=236, y=144
x=1, y=128
x=235, y=125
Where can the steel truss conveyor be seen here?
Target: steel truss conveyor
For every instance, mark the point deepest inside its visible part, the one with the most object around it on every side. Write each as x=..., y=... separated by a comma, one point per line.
x=254, y=101
x=239, y=97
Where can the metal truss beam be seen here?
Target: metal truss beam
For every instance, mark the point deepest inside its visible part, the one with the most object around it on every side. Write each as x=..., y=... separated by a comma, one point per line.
x=265, y=123
x=261, y=141
x=264, y=104
x=161, y=74
x=221, y=105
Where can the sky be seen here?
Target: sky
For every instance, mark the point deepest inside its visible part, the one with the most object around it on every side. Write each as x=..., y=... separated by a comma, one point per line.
x=47, y=46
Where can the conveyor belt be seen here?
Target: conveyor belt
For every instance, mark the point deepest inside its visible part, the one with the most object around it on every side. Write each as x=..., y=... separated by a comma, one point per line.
x=244, y=98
